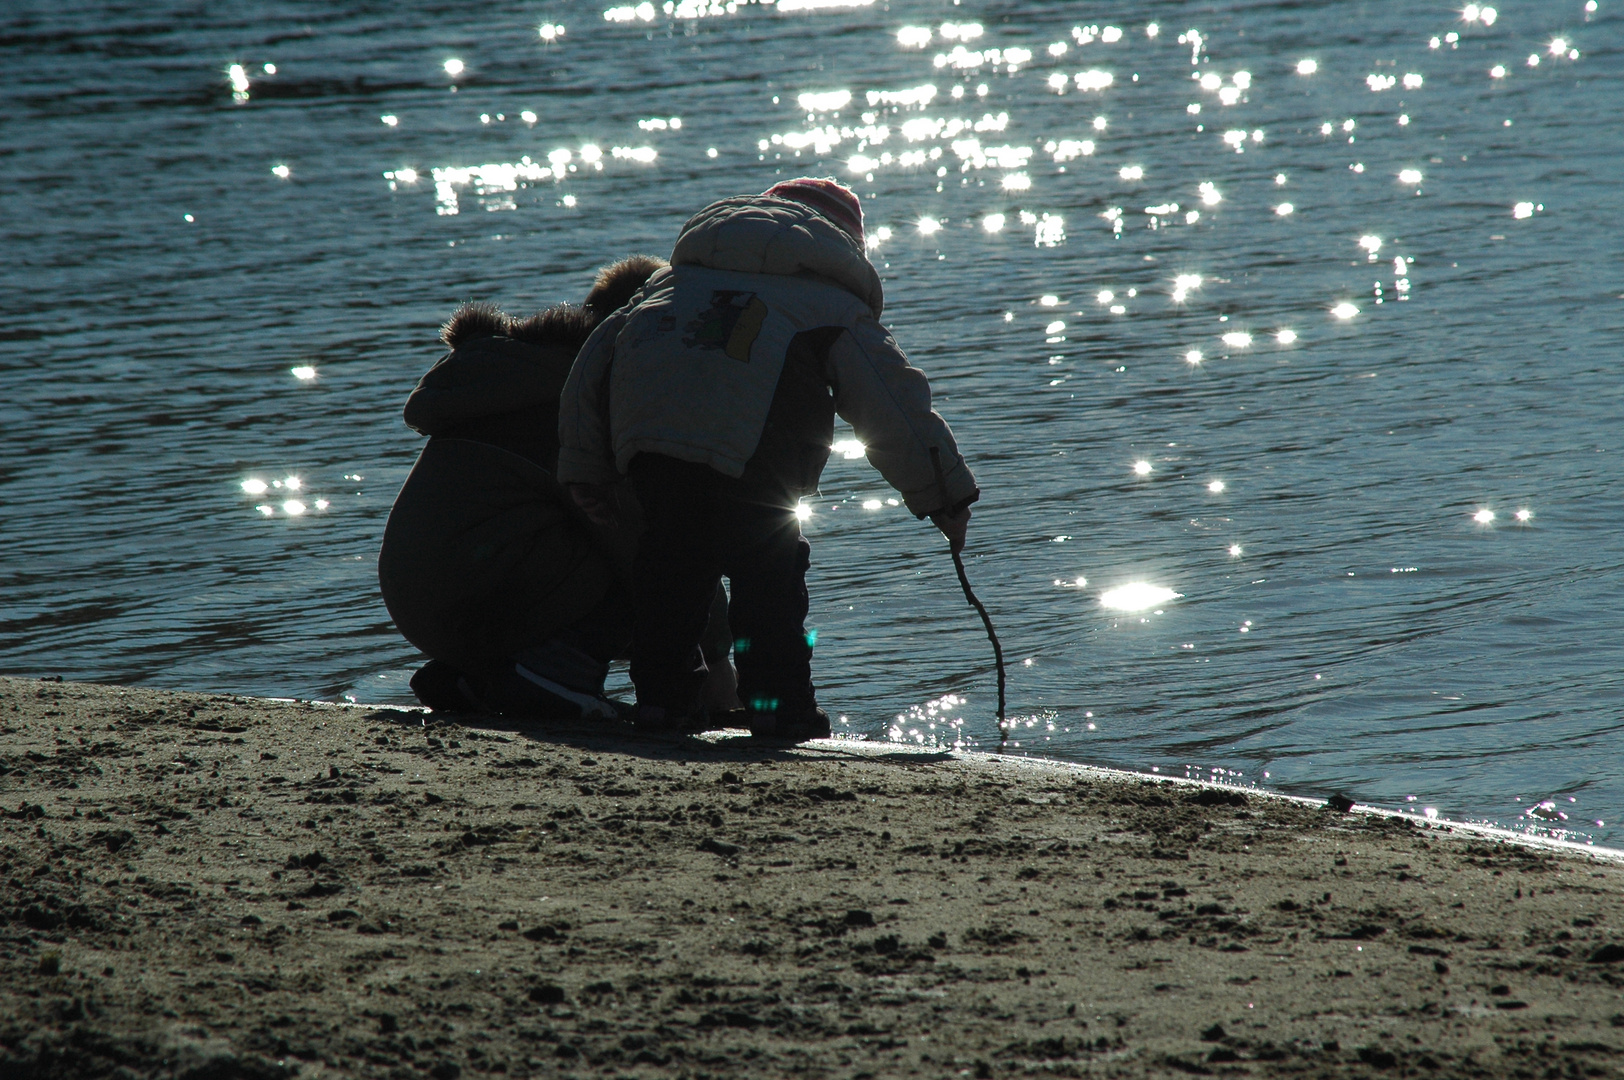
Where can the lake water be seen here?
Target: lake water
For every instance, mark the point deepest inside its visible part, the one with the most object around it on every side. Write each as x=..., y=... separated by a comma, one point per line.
x=1368, y=450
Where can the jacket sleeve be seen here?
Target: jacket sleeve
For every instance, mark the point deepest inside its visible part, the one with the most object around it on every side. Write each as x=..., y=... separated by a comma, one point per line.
x=887, y=403
x=585, y=453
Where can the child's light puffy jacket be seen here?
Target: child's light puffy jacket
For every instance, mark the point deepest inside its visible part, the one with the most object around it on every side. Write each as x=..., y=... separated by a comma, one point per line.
x=689, y=367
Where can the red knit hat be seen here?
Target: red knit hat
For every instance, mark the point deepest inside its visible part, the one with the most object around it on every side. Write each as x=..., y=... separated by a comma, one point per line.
x=833, y=200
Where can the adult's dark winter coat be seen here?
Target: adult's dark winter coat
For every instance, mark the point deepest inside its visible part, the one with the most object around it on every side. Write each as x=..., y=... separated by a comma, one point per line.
x=485, y=555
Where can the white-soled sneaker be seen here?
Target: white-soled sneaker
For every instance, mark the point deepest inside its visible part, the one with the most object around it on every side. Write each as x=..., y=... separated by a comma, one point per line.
x=554, y=700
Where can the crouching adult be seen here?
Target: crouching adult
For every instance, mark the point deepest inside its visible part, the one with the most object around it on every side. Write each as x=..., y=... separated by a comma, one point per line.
x=487, y=565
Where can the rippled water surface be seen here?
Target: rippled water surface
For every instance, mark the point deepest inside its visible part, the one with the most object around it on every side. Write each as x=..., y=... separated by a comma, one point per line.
x=1300, y=324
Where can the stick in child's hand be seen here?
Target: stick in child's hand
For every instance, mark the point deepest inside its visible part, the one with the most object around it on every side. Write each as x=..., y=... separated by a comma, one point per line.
x=969, y=593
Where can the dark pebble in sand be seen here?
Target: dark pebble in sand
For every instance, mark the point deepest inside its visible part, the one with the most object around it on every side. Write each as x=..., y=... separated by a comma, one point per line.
x=547, y=994
x=858, y=917
x=1379, y=1059
x=825, y=793
x=716, y=847
x=1340, y=803
x=1213, y=1034
x=551, y=932
x=1219, y=797
x=113, y=840
x=1607, y=954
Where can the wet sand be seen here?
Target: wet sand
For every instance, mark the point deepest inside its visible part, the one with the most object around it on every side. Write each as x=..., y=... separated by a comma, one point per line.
x=213, y=886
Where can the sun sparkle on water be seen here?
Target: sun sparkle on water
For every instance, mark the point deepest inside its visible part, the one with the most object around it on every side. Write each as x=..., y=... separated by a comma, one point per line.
x=1137, y=596
x=850, y=449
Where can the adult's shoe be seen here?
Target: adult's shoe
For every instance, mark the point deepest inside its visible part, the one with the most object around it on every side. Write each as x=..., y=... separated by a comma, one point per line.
x=553, y=681
x=444, y=689
x=528, y=693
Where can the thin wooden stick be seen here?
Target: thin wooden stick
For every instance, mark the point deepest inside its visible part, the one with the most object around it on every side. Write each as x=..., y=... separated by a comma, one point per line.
x=981, y=609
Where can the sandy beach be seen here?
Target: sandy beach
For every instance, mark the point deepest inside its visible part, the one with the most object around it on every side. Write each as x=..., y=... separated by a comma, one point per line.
x=212, y=886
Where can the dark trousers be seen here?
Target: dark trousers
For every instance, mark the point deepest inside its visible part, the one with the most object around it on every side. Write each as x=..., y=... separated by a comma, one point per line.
x=701, y=525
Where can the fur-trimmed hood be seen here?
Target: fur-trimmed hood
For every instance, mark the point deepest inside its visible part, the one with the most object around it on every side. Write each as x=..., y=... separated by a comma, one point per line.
x=563, y=326
x=500, y=364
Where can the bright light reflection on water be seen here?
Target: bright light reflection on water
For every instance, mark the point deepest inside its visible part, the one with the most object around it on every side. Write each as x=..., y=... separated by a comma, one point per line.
x=932, y=723
x=850, y=449
x=1137, y=596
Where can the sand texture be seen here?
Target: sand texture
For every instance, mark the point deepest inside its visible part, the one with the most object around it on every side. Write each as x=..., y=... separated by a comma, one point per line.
x=212, y=887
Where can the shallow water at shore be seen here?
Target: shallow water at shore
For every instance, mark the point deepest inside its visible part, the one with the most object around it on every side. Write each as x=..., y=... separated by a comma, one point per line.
x=231, y=240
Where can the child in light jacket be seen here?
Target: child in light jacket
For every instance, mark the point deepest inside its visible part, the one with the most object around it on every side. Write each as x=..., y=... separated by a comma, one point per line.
x=715, y=389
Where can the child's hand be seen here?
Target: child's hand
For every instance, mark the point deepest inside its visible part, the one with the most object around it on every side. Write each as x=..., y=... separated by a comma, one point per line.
x=953, y=527
x=595, y=501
